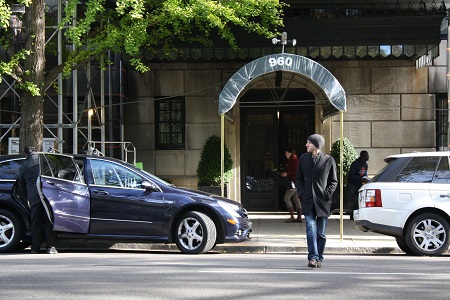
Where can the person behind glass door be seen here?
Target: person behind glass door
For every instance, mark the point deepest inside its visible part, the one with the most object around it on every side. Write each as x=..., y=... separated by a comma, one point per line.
x=290, y=196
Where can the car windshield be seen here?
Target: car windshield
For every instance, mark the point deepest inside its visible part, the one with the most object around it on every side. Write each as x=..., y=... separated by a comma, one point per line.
x=156, y=178
x=153, y=177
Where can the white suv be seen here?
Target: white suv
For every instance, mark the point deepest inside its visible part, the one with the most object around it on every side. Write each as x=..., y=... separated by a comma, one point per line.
x=409, y=199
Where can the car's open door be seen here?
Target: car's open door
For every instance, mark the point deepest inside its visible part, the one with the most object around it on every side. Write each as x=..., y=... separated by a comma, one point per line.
x=64, y=193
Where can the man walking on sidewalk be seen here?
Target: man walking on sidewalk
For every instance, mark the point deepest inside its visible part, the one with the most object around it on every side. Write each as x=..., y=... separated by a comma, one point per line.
x=316, y=181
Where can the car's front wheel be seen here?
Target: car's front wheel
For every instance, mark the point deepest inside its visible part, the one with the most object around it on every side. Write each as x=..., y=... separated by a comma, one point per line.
x=195, y=233
x=11, y=231
x=427, y=234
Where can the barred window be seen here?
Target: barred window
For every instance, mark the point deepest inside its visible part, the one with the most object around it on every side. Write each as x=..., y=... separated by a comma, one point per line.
x=170, y=118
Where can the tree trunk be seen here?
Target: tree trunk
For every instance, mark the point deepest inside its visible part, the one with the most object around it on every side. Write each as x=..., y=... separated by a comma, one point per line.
x=32, y=105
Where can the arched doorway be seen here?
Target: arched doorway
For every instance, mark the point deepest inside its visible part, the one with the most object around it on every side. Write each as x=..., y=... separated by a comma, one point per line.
x=267, y=129
x=279, y=95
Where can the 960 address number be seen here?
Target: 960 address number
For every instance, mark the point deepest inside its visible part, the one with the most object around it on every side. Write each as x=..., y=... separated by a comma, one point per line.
x=280, y=61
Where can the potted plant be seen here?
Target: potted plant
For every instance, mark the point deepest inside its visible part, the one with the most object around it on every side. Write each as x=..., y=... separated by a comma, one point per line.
x=350, y=155
x=208, y=170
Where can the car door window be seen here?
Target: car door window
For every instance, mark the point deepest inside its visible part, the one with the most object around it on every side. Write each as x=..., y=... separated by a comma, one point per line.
x=442, y=174
x=10, y=169
x=59, y=166
x=112, y=174
x=419, y=169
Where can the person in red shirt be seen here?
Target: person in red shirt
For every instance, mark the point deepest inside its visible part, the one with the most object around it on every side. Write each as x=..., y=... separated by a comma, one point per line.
x=291, y=197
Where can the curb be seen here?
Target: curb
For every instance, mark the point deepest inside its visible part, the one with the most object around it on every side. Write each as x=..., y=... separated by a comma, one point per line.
x=223, y=248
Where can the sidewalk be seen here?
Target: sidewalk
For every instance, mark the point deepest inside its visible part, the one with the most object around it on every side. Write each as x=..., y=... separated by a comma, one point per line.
x=272, y=235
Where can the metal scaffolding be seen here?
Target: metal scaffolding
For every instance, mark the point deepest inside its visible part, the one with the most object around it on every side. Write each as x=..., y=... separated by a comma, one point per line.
x=70, y=120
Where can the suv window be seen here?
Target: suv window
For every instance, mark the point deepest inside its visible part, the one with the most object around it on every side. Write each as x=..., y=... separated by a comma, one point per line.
x=442, y=174
x=9, y=169
x=419, y=170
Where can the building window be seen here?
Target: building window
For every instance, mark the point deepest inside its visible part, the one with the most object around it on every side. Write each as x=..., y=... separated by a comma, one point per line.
x=169, y=118
x=442, y=122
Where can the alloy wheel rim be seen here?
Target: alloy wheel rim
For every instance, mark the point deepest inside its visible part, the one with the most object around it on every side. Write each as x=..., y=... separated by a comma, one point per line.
x=190, y=233
x=429, y=235
x=6, y=231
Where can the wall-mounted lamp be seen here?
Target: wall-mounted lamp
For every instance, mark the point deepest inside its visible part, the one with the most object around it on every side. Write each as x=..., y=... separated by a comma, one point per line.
x=284, y=41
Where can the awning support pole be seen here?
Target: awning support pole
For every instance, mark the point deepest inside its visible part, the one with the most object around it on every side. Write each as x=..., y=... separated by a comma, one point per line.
x=222, y=151
x=341, y=174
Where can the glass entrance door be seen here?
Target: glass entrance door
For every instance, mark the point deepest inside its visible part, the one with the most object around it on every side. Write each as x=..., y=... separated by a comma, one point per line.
x=265, y=135
x=259, y=158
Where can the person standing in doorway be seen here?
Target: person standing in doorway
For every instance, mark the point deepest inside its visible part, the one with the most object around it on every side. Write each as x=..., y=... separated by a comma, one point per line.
x=316, y=181
x=291, y=197
x=356, y=177
x=28, y=180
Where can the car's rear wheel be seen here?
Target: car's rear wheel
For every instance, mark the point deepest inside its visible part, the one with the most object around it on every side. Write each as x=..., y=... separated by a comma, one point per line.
x=11, y=231
x=195, y=233
x=403, y=246
x=427, y=234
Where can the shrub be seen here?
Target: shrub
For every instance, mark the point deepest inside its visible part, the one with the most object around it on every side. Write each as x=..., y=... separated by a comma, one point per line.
x=350, y=155
x=208, y=170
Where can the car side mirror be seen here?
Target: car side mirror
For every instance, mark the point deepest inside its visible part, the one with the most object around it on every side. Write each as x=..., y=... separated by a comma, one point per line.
x=149, y=186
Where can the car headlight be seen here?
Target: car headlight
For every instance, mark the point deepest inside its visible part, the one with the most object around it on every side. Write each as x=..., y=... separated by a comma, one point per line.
x=232, y=209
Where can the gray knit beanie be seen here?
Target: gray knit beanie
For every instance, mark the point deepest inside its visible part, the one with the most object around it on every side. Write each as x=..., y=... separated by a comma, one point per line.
x=317, y=140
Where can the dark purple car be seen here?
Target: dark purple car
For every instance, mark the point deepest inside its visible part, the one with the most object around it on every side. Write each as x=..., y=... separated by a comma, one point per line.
x=91, y=197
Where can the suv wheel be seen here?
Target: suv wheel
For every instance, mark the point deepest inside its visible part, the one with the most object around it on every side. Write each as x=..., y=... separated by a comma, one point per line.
x=427, y=234
x=11, y=231
x=195, y=233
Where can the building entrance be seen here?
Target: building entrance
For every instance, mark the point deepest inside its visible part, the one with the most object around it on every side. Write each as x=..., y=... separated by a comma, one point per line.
x=266, y=131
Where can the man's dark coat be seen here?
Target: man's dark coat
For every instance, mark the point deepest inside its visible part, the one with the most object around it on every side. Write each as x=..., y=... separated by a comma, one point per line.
x=316, y=181
x=28, y=175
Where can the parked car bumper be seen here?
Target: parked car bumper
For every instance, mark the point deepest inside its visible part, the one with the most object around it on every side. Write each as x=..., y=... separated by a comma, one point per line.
x=240, y=233
x=366, y=225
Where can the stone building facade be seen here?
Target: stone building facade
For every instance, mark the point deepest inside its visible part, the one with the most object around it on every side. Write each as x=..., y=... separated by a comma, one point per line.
x=390, y=109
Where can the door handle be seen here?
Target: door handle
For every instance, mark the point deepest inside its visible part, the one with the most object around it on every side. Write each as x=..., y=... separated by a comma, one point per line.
x=100, y=192
x=50, y=183
x=445, y=196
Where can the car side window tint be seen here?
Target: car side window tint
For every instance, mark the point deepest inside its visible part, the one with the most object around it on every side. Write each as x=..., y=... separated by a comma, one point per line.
x=111, y=174
x=419, y=169
x=10, y=169
x=442, y=174
x=58, y=166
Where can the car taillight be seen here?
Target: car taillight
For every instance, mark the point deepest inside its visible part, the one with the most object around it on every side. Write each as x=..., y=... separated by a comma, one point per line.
x=372, y=198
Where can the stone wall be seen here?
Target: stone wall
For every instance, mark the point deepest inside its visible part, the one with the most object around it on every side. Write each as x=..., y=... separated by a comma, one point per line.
x=390, y=107
x=390, y=110
x=201, y=87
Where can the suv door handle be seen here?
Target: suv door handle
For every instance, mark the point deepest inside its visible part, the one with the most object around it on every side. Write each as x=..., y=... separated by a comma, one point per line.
x=445, y=196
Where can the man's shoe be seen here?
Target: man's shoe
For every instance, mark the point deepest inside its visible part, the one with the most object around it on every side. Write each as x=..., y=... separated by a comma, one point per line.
x=52, y=250
x=299, y=220
x=319, y=264
x=312, y=263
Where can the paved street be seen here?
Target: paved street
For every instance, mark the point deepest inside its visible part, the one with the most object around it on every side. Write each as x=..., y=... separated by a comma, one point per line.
x=133, y=274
